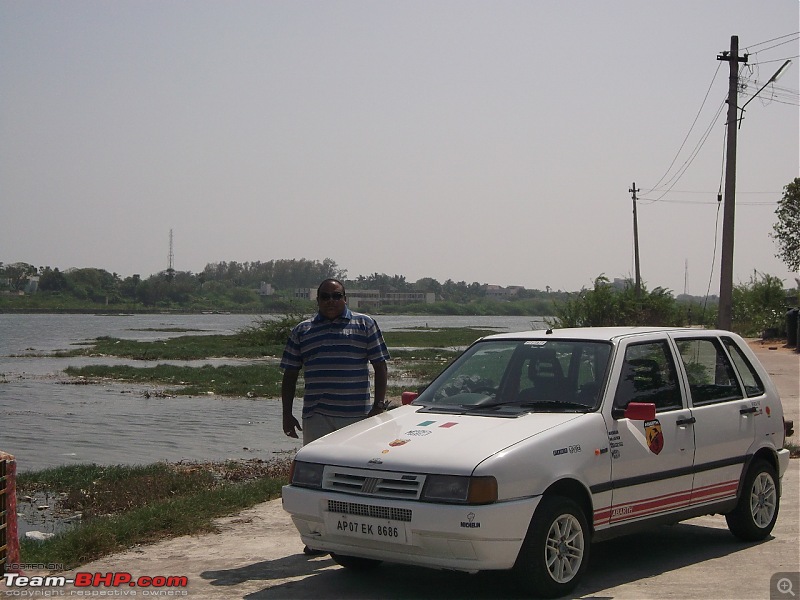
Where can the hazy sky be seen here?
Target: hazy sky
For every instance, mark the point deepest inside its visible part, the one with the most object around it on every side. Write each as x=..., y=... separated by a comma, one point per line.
x=490, y=141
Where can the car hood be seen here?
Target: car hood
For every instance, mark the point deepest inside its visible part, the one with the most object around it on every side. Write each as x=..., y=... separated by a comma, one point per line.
x=406, y=439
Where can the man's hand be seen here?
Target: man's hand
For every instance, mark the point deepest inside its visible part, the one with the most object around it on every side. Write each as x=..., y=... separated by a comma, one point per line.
x=376, y=409
x=290, y=425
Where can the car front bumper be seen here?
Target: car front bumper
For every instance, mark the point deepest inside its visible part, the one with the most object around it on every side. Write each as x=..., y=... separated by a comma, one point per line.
x=447, y=536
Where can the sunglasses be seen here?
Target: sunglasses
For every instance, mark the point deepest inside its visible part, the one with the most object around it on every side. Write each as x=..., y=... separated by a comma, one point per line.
x=334, y=296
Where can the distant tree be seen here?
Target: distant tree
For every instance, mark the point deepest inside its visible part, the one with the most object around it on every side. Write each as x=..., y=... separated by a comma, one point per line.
x=759, y=305
x=787, y=229
x=606, y=305
x=19, y=274
x=428, y=284
x=127, y=288
x=97, y=285
x=283, y=274
x=52, y=280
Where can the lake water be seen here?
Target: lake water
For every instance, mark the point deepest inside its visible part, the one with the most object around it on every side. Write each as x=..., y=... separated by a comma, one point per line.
x=45, y=421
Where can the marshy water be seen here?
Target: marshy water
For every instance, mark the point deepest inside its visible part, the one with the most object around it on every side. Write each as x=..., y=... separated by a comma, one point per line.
x=47, y=420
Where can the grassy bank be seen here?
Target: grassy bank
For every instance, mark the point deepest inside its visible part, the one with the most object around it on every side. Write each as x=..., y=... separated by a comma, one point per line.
x=122, y=506
x=252, y=381
x=418, y=355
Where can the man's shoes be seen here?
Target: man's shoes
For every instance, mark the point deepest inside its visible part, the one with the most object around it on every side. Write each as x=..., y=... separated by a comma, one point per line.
x=311, y=552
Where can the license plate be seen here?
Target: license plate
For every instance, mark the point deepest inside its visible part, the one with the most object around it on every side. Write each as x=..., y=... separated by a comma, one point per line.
x=367, y=528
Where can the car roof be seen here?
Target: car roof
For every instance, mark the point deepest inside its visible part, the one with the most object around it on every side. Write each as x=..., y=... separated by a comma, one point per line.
x=608, y=334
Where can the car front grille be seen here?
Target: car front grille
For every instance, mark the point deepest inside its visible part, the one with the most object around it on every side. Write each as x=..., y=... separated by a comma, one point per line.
x=369, y=510
x=367, y=482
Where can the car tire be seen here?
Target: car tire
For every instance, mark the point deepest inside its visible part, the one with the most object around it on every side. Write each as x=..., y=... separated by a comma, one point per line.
x=355, y=563
x=757, y=510
x=555, y=552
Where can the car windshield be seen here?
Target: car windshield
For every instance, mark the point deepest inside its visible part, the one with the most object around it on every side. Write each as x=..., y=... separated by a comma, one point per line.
x=522, y=375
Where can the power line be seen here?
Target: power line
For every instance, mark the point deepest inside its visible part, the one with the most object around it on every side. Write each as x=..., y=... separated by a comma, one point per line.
x=773, y=40
x=708, y=91
x=687, y=163
x=779, y=95
x=777, y=45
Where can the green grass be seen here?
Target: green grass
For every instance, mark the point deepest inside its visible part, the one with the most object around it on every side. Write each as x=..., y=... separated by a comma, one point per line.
x=125, y=506
x=226, y=380
x=432, y=350
x=188, y=347
x=246, y=344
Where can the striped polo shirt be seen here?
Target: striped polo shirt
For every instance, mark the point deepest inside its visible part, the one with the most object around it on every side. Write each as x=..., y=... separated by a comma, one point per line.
x=335, y=357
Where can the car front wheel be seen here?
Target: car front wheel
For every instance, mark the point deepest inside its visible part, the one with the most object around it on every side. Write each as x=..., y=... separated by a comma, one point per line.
x=757, y=510
x=555, y=552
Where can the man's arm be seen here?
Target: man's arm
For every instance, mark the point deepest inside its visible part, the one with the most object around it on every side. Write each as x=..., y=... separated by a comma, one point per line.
x=381, y=379
x=288, y=389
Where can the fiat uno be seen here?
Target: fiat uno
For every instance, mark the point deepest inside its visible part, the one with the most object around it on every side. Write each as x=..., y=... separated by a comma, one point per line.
x=530, y=446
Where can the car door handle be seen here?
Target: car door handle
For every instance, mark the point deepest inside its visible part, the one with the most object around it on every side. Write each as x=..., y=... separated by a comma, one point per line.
x=686, y=421
x=748, y=411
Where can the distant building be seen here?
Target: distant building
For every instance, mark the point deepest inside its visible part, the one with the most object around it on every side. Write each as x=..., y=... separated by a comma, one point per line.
x=375, y=299
x=497, y=292
x=372, y=298
x=266, y=289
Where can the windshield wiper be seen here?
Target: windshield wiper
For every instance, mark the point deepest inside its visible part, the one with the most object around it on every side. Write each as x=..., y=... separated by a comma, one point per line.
x=554, y=404
x=494, y=404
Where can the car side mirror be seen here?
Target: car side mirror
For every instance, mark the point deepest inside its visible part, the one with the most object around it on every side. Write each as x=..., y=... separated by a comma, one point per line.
x=636, y=411
x=408, y=397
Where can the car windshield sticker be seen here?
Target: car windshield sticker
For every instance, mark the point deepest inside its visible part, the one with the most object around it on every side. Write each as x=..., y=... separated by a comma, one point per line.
x=536, y=343
x=655, y=437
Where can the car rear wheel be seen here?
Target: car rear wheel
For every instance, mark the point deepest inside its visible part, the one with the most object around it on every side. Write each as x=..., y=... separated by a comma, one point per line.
x=356, y=563
x=757, y=510
x=555, y=552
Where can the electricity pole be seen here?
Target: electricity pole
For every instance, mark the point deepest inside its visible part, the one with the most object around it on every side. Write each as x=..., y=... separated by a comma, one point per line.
x=725, y=314
x=633, y=191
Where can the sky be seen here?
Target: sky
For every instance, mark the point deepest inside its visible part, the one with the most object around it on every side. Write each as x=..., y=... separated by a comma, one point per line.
x=491, y=142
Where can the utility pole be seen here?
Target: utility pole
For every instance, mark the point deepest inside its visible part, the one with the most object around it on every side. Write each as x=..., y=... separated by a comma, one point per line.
x=633, y=190
x=171, y=259
x=725, y=314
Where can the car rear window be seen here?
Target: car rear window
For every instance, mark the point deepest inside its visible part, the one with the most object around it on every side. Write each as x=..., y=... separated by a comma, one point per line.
x=753, y=385
x=711, y=375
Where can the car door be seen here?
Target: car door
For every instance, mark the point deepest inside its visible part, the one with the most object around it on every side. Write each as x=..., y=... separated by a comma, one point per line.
x=725, y=418
x=651, y=460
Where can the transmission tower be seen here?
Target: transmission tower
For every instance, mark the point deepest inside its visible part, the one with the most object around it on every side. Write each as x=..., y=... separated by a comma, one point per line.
x=171, y=268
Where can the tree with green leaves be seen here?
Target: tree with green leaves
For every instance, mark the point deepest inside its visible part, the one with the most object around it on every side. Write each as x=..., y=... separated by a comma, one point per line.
x=609, y=305
x=787, y=229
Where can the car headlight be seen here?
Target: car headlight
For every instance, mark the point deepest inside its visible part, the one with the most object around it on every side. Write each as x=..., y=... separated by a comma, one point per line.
x=459, y=489
x=306, y=474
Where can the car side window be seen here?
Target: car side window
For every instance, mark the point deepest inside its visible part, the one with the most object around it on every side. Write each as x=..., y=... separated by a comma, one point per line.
x=710, y=373
x=649, y=375
x=753, y=385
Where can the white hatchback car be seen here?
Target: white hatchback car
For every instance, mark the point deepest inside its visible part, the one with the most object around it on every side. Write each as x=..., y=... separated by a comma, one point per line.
x=531, y=445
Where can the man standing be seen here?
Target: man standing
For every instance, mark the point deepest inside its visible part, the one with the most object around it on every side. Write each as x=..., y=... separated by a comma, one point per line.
x=333, y=348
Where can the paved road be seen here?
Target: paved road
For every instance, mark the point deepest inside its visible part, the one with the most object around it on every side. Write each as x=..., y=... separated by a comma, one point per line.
x=257, y=554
